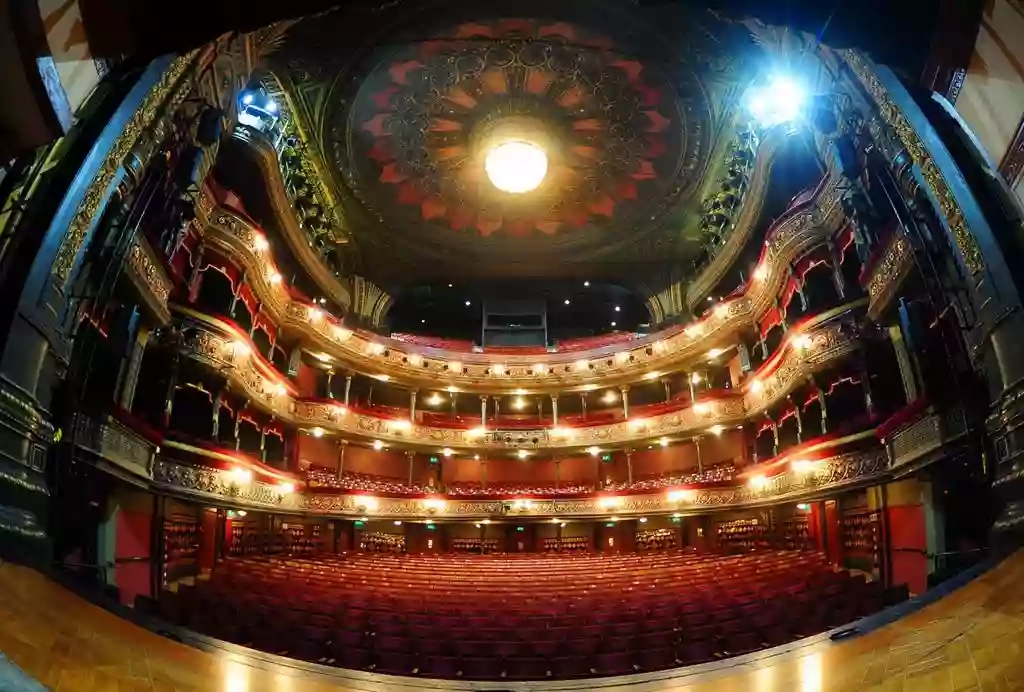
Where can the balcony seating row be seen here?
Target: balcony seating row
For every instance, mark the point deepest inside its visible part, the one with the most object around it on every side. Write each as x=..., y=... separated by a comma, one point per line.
x=522, y=617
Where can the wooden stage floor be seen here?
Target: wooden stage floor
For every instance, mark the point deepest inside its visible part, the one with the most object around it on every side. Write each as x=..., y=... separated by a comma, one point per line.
x=970, y=640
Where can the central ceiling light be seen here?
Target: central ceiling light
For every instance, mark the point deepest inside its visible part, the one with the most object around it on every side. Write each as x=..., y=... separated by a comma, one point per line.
x=516, y=167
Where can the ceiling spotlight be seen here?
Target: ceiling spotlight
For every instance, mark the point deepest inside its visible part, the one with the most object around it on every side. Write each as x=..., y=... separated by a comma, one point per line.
x=378, y=445
x=780, y=101
x=317, y=432
x=247, y=99
x=468, y=303
x=260, y=243
x=446, y=452
x=610, y=397
x=761, y=272
x=586, y=284
x=715, y=352
x=423, y=321
x=435, y=399
x=663, y=442
x=476, y=457
x=566, y=301
x=594, y=451
x=618, y=309
x=516, y=167
x=518, y=403
x=271, y=106
x=522, y=454
x=449, y=285
x=716, y=429
x=613, y=324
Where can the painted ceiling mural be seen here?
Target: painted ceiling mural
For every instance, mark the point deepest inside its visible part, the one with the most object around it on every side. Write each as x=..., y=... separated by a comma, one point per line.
x=630, y=110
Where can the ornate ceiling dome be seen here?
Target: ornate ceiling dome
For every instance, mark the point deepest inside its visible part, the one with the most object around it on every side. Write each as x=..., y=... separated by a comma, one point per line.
x=612, y=129
x=620, y=112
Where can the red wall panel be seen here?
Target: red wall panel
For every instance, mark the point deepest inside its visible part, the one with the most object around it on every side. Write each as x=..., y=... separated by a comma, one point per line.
x=132, y=540
x=909, y=544
x=305, y=381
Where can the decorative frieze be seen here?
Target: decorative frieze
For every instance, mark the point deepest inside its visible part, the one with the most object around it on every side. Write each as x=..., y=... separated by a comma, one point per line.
x=889, y=274
x=116, y=444
x=149, y=278
x=219, y=485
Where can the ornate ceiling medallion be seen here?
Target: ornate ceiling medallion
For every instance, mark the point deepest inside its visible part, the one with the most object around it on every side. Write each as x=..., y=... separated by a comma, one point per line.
x=593, y=128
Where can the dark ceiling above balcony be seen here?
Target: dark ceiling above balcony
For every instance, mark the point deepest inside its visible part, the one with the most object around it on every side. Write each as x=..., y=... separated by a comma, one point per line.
x=633, y=107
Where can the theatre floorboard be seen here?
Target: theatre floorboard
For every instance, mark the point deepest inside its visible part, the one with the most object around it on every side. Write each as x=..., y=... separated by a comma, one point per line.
x=970, y=640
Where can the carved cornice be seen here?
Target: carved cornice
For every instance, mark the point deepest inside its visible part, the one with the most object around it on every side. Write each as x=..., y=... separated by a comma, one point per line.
x=833, y=473
x=148, y=276
x=475, y=372
x=829, y=338
x=889, y=273
x=296, y=238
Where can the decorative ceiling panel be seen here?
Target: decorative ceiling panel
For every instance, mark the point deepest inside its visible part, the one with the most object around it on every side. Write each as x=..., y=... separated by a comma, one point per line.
x=630, y=107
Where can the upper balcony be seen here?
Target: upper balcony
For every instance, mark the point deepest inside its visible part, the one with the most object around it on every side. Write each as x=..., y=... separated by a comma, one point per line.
x=580, y=365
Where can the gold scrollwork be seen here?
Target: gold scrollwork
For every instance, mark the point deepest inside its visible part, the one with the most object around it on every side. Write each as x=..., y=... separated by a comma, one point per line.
x=141, y=119
x=966, y=243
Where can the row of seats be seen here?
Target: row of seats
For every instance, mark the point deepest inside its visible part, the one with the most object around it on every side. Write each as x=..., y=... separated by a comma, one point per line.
x=522, y=616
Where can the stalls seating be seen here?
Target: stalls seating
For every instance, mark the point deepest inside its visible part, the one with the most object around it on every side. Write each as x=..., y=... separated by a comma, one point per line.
x=521, y=616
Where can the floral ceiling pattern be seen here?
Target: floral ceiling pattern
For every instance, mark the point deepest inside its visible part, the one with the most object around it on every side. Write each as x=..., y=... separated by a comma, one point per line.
x=614, y=128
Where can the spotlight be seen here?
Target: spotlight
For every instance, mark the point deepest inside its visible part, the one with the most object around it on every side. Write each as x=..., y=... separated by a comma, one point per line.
x=664, y=442
x=781, y=101
x=378, y=445
x=468, y=303
x=247, y=99
x=516, y=167
x=613, y=324
x=317, y=432
x=271, y=106
x=586, y=284
x=446, y=452
x=594, y=451
x=566, y=301
x=522, y=454
x=618, y=309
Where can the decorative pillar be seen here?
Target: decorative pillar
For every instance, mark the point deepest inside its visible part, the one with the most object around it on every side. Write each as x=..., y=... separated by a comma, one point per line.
x=558, y=472
x=342, y=446
x=263, y=444
x=583, y=404
x=483, y=473
x=483, y=410
x=193, y=281
x=131, y=377
x=824, y=410
x=348, y=388
x=554, y=409
x=411, y=456
x=330, y=378
x=865, y=383
x=700, y=462
x=217, y=402
x=799, y=421
x=629, y=465
x=775, y=438
x=172, y=385
x=837, y=269
x=692, y=385
x=668, y=389
x=412, y=404
x=624, y=391
x=907, y=374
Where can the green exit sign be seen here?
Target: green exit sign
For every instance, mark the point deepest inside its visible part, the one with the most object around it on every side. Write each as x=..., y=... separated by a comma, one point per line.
x=606, y=457
x=434, y=460
x=520, y=528
x=359, y=524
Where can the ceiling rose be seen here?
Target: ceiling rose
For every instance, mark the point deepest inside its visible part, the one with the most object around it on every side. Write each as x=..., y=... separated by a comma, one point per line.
x=516, y=167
